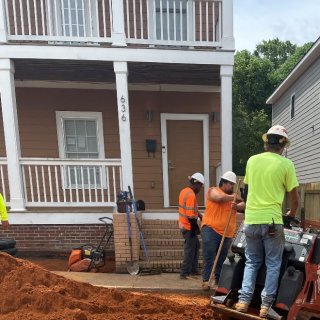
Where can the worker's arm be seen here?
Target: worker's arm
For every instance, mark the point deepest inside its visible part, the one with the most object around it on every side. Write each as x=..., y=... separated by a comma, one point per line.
x=240, y=206
x=294, y=202
x=215, y=196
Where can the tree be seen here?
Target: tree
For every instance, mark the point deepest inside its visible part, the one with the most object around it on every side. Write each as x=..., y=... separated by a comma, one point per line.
x=276, y=51
x=248, y=128
x=281, y=73
x=251, y=82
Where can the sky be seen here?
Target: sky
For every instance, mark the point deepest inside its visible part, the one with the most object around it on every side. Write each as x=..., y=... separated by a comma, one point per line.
x=256, y=20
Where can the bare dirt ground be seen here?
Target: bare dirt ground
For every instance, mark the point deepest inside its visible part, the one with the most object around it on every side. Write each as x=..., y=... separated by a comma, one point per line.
x=31, y=292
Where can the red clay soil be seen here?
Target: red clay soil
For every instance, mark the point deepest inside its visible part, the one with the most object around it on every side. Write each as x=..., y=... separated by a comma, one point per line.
x=30, y=292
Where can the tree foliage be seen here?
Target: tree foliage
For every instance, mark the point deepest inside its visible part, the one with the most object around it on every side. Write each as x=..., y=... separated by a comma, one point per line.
x=275, y=51
x=256, y=75
x=281, y=73
x=251, y=82
x=248, y=129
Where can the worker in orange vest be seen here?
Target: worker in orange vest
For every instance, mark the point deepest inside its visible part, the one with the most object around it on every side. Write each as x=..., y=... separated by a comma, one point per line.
x=219, y=203
x=188, y=224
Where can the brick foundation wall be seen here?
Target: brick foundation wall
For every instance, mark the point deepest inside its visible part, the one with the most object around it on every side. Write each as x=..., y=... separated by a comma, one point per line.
x=121, y=241
x=56, y=238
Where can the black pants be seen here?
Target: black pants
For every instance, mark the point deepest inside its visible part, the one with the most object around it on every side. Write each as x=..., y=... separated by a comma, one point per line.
x=190, y=254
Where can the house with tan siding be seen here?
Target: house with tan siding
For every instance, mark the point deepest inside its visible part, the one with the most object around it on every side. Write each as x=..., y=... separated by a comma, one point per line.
x=99, y=95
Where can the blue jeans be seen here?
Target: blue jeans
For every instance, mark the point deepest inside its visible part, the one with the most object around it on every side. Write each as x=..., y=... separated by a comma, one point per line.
x=190, y=254
x=261, y=248
x=210, y=245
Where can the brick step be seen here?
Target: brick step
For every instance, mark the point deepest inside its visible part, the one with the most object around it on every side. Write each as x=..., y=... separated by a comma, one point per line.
x=164, y=242
x=161, y=233
x=169, y=254
x=164, y=265
x=157, y=224
x=158, y=244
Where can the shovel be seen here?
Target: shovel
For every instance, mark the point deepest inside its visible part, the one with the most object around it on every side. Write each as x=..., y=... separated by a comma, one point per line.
x=212, y=278
x=132, y=266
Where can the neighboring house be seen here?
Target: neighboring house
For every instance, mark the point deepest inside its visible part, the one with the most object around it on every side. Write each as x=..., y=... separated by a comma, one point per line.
x=296, y=106
x=99, y=95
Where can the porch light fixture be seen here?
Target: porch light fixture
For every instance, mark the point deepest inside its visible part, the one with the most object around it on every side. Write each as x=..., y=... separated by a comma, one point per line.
x=149, y=116
x=216, y=116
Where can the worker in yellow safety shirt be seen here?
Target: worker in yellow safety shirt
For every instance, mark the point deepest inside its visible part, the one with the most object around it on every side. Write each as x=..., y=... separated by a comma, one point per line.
x=4, y=214
x=188, y=224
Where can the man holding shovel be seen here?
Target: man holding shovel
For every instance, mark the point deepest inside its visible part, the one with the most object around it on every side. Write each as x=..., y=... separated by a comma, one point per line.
x=217, y=227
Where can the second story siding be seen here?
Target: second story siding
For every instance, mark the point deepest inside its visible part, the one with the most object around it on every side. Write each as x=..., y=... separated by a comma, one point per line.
x=304, y=127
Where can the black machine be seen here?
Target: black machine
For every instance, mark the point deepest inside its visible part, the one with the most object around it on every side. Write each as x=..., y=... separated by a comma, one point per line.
x=95, y=255
x=298, y=294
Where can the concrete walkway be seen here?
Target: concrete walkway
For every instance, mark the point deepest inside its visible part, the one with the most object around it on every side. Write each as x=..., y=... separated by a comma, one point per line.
x=161, y=282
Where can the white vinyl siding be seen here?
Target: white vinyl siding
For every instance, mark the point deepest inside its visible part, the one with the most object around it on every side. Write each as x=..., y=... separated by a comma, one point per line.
x=304, y=130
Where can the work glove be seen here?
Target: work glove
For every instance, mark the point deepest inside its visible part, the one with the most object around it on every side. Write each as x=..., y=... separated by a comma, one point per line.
x=194, y=227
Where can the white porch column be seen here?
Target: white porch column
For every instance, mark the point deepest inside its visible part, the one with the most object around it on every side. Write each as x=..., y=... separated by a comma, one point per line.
x=121, y=71
x=11, y=133
x=227, y=25
x=118, y=32
x=3, y=28
x=226, y=73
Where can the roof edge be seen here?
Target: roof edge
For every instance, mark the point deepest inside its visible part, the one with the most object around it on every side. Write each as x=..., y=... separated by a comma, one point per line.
x=301, y=67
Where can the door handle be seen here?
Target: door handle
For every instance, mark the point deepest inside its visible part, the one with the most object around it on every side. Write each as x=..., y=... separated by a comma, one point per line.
x=170, y=166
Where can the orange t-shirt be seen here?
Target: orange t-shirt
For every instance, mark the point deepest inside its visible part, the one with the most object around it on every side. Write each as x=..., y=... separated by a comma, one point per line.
x=216, y=216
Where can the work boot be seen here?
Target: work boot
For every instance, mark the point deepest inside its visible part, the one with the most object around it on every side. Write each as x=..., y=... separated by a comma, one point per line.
x=183, y=277
x=205, y=285
x=242, y=306
x=263, y=311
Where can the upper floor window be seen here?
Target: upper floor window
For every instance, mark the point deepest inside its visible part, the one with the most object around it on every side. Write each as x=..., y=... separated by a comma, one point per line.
x=173, y=20
x=292, y=106
x=72, y=18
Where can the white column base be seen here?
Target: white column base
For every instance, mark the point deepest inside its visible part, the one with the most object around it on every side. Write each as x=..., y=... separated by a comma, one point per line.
x=17, y=205
x=119, y=40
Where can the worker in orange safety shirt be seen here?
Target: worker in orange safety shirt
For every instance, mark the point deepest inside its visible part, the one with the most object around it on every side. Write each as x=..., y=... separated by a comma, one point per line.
x=188, y=224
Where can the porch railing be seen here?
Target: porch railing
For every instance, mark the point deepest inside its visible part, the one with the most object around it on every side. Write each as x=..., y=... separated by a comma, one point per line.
x=149, y=22
x=64, y=182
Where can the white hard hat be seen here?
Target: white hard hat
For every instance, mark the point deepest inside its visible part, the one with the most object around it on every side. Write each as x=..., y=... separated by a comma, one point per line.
x=229, y=176
x=278, y=130
x=198, y=177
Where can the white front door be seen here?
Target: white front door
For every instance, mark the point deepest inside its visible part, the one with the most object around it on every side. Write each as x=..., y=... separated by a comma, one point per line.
x=185, y=150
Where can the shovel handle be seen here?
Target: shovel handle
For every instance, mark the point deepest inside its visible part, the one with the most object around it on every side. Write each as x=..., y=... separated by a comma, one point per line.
x=212, y=278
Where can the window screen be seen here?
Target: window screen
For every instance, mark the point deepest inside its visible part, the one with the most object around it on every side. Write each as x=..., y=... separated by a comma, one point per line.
x=81, y=142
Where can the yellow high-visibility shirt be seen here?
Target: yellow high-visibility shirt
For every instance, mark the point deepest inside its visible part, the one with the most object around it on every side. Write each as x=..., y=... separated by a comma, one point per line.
x=3, y=209
x=268, y=176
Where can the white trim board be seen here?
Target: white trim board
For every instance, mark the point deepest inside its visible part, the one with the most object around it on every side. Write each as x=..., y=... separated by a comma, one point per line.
x=49, y=52
x=112, y=86
x=59, y=218
x=196, y=117
x=75, y=218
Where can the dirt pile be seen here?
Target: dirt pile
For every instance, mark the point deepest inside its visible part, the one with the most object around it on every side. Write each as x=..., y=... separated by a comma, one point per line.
x=28, y=291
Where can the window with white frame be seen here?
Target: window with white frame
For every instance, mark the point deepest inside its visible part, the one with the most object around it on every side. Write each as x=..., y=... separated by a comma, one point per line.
x=72, y=18
x=292, y=106
x=80, y=136
x=173, y=18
